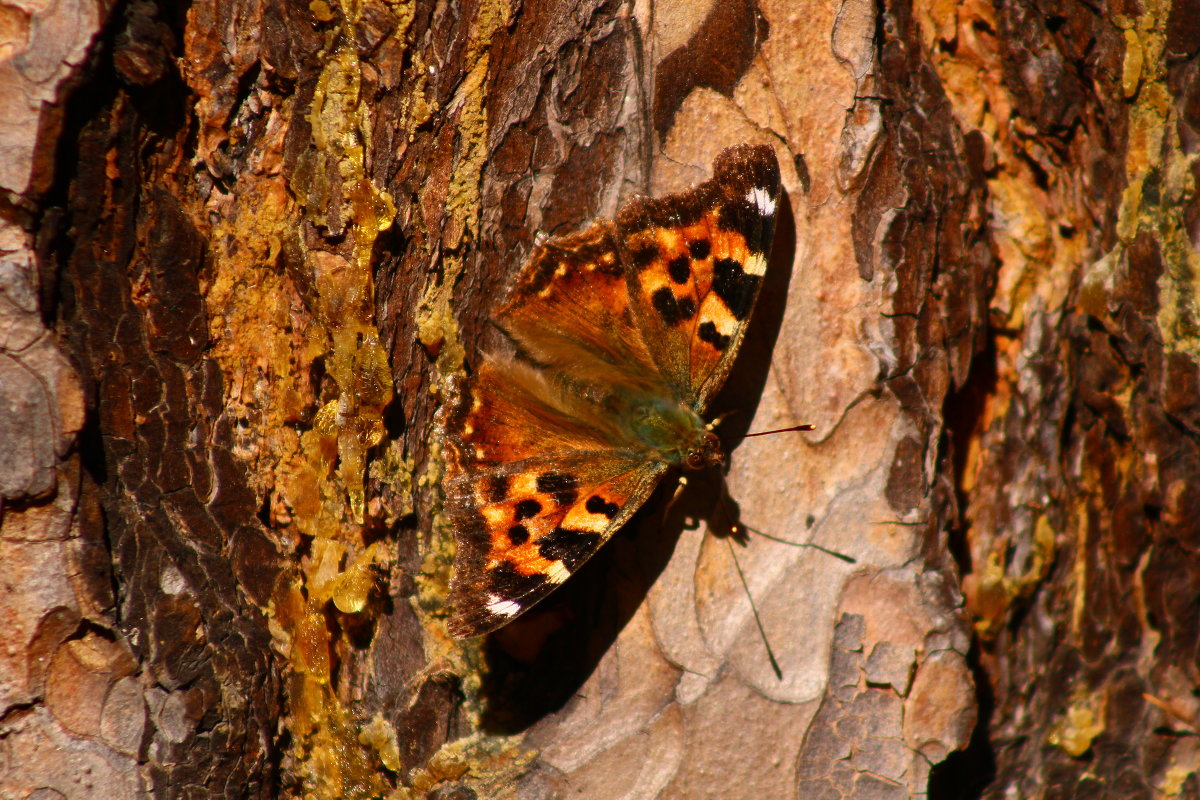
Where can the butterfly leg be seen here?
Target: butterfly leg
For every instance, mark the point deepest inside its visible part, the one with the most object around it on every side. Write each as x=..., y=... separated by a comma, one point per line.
x=670, y=504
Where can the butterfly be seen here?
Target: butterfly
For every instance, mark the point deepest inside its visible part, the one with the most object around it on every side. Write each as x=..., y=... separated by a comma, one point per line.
x=621, y=334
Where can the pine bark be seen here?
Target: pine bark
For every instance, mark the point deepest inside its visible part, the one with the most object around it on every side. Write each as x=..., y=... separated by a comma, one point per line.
x=246, y=241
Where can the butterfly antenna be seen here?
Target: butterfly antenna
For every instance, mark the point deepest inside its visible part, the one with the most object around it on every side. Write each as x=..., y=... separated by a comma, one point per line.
x=814, y=546
x=754, y=609
x=781, y=430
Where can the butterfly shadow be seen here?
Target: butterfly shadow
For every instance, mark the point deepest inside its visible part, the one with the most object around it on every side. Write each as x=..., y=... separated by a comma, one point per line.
x=538, y=664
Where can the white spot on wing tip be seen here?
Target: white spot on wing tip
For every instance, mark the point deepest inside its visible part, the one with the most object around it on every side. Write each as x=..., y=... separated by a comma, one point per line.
x=503, y=608
x=761, y=198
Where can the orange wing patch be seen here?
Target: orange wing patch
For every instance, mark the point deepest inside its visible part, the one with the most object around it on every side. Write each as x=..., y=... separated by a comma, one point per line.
x=481, y=430
x=733, y=277
x=547, y=526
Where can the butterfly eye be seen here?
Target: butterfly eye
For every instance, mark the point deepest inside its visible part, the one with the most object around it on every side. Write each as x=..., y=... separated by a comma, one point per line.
x=694, y=460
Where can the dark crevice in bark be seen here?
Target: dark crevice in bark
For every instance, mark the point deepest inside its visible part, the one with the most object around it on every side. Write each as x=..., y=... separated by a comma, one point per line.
x=966, y=774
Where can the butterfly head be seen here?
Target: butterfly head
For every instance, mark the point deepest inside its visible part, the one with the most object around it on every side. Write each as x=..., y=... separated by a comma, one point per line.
x=706, y=452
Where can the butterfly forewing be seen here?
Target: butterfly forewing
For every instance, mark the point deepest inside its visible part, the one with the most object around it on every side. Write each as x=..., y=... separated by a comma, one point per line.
x=695, y=263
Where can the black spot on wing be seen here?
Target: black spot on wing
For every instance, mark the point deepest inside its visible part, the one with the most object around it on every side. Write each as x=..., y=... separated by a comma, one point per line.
x=708, y=333
x=679, y=268
x=699, y=249
x=597, y=505
x=734, y=286
x=518, y=535
x=526, y=509
x=643, y=256
x=496, y=488
x=672, y=310
x=744, y=217
x=560, y=485
x=570, y=547
x=504, y=581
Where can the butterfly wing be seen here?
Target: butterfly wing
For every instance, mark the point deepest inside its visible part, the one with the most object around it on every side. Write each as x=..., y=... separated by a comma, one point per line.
x=532, y=493
x=695, y=263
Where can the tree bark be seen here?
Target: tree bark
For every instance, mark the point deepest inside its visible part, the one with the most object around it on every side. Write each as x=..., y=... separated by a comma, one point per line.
x=247, y=241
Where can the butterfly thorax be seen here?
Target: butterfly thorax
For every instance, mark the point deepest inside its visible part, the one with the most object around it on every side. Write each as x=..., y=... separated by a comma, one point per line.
x=674, y=433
